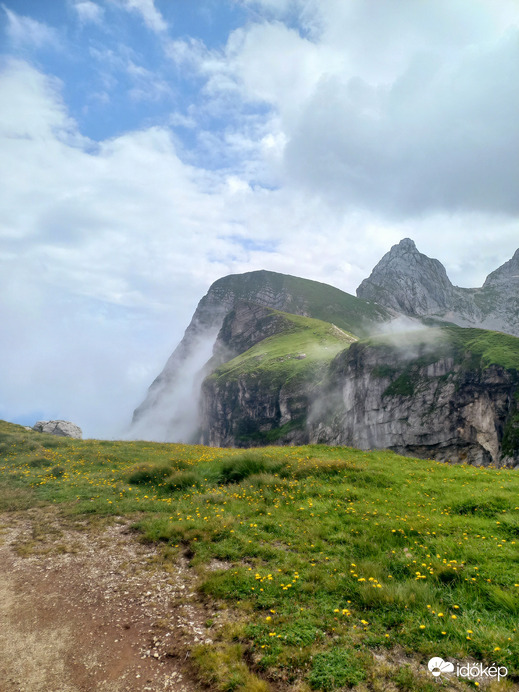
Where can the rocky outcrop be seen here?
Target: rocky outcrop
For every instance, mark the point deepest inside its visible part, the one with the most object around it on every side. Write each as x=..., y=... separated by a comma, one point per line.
x=426, y=398
x=61, y=428
x=245, y=407
x=415, y=285
x=432, y=406
x=506, y=277
x=408, y=282
x=243, y=412
x=170, y=409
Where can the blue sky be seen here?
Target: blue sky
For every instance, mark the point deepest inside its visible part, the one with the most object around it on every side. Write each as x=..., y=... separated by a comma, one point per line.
x=150, y=147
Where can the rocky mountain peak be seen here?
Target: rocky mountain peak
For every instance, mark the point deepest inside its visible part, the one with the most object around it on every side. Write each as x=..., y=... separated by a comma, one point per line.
x=241, y=306
x=507, y=273
x=405, y=245
x=408, y=281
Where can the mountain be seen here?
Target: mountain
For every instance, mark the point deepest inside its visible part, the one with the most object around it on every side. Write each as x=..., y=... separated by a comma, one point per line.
x=415, y=285
x=275, y=359
x=447, y=393
x=170, y=409
x=263, y=395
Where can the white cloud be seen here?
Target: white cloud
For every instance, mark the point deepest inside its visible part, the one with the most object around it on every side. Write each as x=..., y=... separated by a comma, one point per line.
x=32, y=106
x=89, y=11
x=441, y=137
x=399, y=108
x=150, y=14
x=25, y=31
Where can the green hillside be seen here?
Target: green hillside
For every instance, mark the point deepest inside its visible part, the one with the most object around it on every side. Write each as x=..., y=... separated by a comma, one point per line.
x=484, y=347
x=298, y=351
x=315, y=299
x=329, y=568
x=278, y=358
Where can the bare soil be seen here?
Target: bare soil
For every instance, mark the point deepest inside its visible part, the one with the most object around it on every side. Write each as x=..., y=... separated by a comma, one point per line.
x=85, y=606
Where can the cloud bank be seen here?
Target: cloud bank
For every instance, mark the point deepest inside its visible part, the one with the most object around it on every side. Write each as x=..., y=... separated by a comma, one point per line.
x=301, y=137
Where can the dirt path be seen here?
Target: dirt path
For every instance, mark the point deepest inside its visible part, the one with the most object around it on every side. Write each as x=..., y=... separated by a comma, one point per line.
x=86, y=607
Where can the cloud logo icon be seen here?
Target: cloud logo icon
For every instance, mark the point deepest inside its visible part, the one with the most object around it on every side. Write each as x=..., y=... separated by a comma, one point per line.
x=437, y=666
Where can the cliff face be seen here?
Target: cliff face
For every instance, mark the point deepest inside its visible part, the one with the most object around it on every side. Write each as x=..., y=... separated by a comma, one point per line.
x=428, y=399
x=247, y=411
x=413, y=284
x=170, y=408
x=255, y=366
x=434, y=404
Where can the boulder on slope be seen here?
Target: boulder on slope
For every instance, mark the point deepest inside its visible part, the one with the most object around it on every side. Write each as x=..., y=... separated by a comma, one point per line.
x=61, y=428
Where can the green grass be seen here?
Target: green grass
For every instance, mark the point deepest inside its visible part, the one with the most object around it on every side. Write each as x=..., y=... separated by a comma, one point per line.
x=297, y=353
x=478, y=348
x=326, y=555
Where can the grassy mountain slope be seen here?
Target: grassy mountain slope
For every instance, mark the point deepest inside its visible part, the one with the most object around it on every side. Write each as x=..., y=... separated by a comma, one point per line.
x=331, y=567
x=304, y=296
x=301, y=348
x=485, y=347
x=277, y=357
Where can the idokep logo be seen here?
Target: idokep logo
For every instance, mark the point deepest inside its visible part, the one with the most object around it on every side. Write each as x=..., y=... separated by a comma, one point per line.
x=437, y=666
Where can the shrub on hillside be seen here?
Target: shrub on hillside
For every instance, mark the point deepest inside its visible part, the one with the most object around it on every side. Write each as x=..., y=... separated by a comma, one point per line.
x=182, y=479
x=39, y=462
x=149, y=474
x=236, y=469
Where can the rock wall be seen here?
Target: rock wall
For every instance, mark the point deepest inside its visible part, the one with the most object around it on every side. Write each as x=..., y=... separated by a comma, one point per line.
x=410, y=283
x=374, y=397
x=428, y=407
x=247, y=411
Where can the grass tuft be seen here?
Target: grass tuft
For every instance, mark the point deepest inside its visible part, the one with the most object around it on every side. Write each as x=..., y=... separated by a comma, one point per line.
x=336, y=668
x=149, y=474
x=239, y=468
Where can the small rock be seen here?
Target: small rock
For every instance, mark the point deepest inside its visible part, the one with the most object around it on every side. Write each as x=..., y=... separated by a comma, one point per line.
x=61, y=428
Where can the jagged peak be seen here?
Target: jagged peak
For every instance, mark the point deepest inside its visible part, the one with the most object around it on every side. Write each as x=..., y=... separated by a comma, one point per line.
x=408, y=281
x=509, y=271
x=405, y=245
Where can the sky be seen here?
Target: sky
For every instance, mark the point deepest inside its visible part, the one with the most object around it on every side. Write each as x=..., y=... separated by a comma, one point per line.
x=150, y=147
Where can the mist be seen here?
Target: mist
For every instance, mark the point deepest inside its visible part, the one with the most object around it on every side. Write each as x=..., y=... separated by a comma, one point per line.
x=173, y=413
x=410, y=336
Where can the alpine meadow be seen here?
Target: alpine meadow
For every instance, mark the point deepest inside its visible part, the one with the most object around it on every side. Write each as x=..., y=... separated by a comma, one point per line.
x=325, y=568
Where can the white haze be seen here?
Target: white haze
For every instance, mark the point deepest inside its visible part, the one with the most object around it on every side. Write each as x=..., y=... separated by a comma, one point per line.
x=409, y=336
x=174, y=414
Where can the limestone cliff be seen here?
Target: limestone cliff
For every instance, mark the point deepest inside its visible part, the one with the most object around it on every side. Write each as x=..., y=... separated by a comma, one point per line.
x=427, y=397
x=170, y=409
x=431, y=394
x=413, y=284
